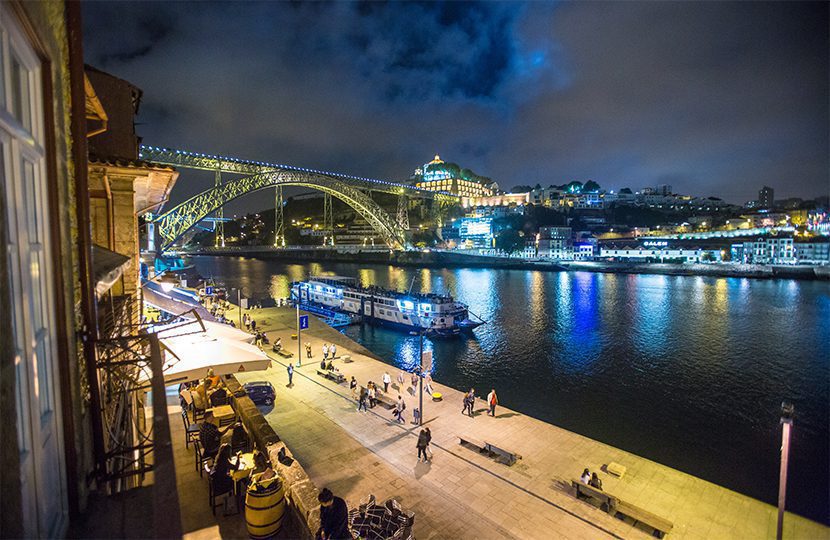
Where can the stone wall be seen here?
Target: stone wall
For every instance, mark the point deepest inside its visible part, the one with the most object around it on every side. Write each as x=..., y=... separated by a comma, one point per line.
x=303, y=517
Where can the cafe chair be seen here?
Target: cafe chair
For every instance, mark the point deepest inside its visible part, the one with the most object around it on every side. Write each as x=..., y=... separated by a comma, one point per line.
x=201, y=458
x=191, y=430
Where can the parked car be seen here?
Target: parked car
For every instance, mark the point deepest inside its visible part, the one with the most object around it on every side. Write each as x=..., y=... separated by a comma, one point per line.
x=260, y=392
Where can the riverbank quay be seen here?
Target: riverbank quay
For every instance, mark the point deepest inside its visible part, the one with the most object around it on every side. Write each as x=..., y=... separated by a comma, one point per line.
x=318, y=421
x=448, y=259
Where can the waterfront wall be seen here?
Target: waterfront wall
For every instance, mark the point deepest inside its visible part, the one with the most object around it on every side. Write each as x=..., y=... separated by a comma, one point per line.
x=445, y=259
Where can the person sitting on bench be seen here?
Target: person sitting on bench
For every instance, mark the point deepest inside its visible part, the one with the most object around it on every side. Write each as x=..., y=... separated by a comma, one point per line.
x=330, y=366
x=595, y=481
x=586, y=477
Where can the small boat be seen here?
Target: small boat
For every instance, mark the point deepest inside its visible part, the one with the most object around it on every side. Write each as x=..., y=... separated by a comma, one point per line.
x=436, y=315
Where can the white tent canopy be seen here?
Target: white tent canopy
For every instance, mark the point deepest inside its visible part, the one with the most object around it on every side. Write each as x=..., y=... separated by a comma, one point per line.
x=189, y=352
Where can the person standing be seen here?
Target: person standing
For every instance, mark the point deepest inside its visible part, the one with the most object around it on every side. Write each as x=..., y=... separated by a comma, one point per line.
x=353, y=386
x=334, y=517
x=387, y=380
x=253, y=325
x=492, y=401
x=427, y=451
x=422, y=445
x=361, y=402
x=290, y=374
x=428, y=384
x=371, y=394
x=325, y=351
x=401, y=379
x=333, y=351
x=472, y=396
x=308, y=349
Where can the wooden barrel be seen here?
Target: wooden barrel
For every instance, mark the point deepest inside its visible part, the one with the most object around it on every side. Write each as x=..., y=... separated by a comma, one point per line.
x=265, y=507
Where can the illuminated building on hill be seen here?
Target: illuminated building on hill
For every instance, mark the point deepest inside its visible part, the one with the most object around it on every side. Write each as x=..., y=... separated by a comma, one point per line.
x=438, y=175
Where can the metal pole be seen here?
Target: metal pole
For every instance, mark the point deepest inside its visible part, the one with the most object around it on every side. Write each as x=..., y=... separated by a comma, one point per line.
x=421, y=381
x=239, y=303
x=786, y=425
x=299, y=333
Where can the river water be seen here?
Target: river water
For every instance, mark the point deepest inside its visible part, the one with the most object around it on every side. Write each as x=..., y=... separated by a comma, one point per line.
x=687, y=371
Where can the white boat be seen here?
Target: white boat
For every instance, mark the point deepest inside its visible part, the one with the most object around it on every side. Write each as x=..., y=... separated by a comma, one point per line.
x=437, y=314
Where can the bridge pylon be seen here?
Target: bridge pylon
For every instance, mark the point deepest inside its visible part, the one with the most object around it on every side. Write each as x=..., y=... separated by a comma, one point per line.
x=279, y=218
x=219, y=232
x=328, y=220
x=403, y=212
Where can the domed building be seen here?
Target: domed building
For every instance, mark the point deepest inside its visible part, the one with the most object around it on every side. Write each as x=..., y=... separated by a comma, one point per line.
x=438, y=175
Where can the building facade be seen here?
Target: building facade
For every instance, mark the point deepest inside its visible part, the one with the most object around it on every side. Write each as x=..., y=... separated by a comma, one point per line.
x=44, y=453
x=449, y=178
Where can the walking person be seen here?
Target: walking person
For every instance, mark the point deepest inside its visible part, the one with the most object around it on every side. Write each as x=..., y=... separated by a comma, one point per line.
x=400, y=406
x=472, y=398
x=422, y=445
x=325, y=351
x=247, y=322
x=253, y=325
x=290, y=374
x=353, y=386
x=492, y=401
x=361, y=401
x=308, y=349
x=428, y=384
x=400, y=380
x=387, y=380
x=429, y=440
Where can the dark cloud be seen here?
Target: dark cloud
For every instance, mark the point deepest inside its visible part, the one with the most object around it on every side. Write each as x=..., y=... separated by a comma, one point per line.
x=720, y=97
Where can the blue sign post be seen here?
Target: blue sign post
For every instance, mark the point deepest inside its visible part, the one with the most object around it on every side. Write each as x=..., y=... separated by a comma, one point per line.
x=303, y=322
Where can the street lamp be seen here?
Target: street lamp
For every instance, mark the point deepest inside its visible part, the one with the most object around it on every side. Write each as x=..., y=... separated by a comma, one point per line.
x=787, y=412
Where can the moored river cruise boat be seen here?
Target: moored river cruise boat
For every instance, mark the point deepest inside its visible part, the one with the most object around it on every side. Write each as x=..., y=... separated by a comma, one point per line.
x=437, y=314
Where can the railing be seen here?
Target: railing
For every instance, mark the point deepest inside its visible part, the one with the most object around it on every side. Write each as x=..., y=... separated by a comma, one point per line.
x=127, y=357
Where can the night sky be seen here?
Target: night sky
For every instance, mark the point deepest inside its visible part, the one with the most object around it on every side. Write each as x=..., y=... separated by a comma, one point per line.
x=713, y=98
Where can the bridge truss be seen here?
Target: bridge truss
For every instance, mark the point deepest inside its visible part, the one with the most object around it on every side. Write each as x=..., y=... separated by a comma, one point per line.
x=353, y=190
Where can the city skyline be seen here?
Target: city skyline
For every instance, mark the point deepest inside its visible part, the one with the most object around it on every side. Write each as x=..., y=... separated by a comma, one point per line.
x=714, y=99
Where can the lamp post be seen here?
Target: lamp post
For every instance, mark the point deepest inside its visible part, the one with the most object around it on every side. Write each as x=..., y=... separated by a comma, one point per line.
x=299, y=332
x=421, y=378
x=787, y=411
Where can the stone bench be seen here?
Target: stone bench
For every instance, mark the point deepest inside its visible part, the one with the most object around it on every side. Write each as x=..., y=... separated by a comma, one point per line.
x=508, y=457
x=385, y=400
x=471, y=441
x=335, y=376
x=623, y=510
x=659, y=525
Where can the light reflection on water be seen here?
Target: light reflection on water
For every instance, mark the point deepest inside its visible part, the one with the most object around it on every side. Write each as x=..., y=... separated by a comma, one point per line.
x=688, y=371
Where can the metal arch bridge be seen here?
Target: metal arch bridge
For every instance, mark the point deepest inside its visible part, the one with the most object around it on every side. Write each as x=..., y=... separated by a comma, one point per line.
x=260, y=175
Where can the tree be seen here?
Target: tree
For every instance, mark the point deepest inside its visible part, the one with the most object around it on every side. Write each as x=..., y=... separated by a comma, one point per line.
x=590, y=187
x=510, y=241
x=521, y=189
x=625, y=191
x=574, y=187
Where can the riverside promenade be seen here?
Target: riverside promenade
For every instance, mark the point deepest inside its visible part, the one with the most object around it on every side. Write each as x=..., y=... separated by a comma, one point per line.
x=463, y=494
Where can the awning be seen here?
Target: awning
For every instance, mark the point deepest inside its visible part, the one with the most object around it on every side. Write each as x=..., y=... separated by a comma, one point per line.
x=189, y=352
x=107, y=267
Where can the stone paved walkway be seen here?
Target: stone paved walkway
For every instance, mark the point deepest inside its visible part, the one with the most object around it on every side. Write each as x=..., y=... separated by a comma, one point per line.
x=463, y=494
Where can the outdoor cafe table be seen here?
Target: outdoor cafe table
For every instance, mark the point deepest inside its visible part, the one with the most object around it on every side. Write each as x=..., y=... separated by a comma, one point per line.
x=224, y=414
x=246, y=465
